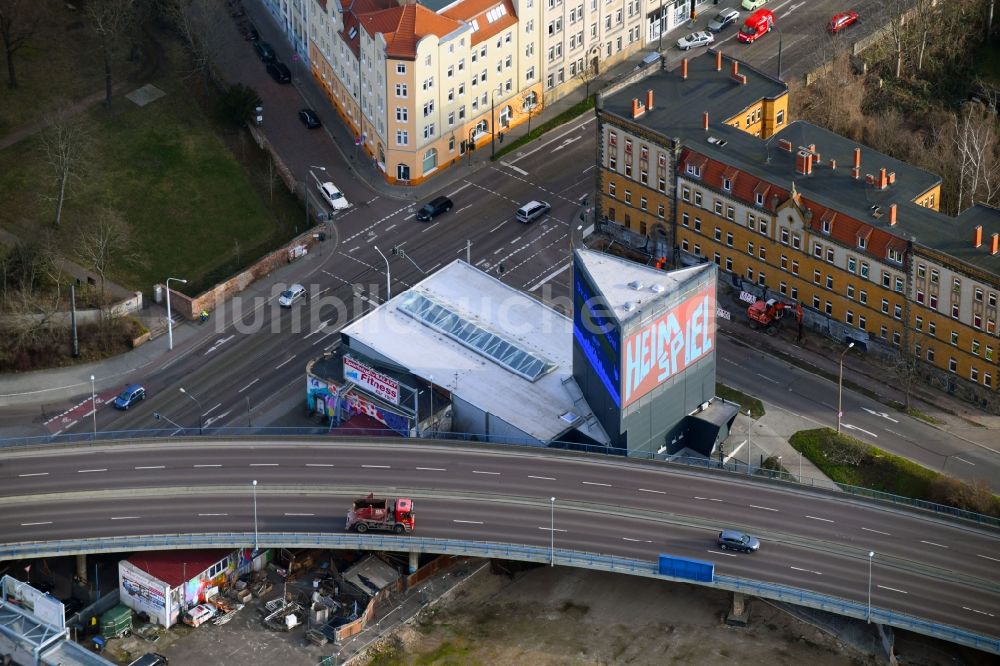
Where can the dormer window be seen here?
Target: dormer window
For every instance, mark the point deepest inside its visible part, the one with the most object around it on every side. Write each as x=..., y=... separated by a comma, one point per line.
x=727, y=184
x=826, y=227
x=694, y=170
x=862, y=242
x=894, y=255
x=760, y=198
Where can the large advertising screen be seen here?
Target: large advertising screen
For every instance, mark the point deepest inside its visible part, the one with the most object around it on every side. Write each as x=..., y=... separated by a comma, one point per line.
x=597, y=335
x=666, y=346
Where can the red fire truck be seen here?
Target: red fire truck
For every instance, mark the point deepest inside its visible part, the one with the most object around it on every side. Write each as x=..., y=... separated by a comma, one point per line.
x=381, y=513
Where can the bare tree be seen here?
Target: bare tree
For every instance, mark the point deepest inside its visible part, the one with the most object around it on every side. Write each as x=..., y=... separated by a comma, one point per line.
x=202, y=26
x=104, y=244
x=18, y=21
x=905, y=370
x=587, y=75
x=975, y=143
x=529, y=105
x=65, y=143
x=110, y=19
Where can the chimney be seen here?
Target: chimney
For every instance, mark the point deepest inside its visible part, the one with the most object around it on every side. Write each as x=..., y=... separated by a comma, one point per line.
x=812, y=147
x=718, y=61
x=995, y=247
x=883, y=180
x=977, y=237
x=684, y=69
x=892, y=215
x=785, y=144
x=833, y=165
x=649, y=98
x=803, y=162
x=856, y=171
x=736, y=68
x=704, y=121
x=892, y=177
x=637, y=109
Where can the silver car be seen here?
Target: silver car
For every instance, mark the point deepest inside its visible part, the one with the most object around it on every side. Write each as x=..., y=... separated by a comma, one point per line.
x=723, y=20
x=695, y=39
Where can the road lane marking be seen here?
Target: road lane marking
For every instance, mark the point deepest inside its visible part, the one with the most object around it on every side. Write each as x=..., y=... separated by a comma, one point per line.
x=647, y=490
x=125, y=517
x=882, y=414
x=264, y=464
x=390, y=228
x=459, y=190
x=542, y=478
x=931, y=543
x=151, y=467
x=712, y=499
x=818, y=573
x=866, y=529
x=552, y=529
x=475, y=471
x=498, y=226
x=964, y=460
x=318, y=329
x=766, y=378
x=549, y=277
x=46, y=522
x=987, y=557
x=892, y=589
x=208, y=465
x=213, y=514
x=854, y=427
x=719, y=552
x=376, y=467
x=825, y=520
x=428, y=228
x=765, y=508
x=212, y=409
x=300, y=514
x=319, y=465
x=432, y=469
x=636, y=540
x=249, y=385
x=595, y=483
x=34, y=474
x=471, y=522
x=286, y=361
x=977, y=611
x=87, y=471
x=517, y=169
x=218, y=344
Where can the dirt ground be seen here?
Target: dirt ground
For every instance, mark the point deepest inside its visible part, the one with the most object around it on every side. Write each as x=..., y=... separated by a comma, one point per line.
x=555, y=617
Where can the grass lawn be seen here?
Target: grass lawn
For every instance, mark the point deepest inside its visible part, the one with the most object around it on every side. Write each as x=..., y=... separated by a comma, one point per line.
x=194, y=210
x=745, y=401
x=569, y=114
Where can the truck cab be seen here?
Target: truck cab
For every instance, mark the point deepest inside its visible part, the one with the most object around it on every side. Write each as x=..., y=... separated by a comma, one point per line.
x=757, y=25
x=381, y=513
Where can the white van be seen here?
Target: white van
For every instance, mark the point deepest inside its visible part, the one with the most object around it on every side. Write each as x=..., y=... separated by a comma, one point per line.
x=333, y=196
x=199, y=615
x=531, y=211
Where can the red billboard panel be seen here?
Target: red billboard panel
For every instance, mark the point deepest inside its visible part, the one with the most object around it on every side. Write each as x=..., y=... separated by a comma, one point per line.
x=666, y=346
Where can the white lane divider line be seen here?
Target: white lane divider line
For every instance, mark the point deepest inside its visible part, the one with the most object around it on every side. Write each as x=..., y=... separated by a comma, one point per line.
x=88, y=471
x=648, y=490
x=825, y=520
x=44, y=522
x=151, y=467
x=432, y=469
x=125, y=517
x=719, y=552
x=300, y=514
x=476, y=471
x=542, y=478
x=765, y=508
x=974, y=610
x=768, y=379
x=249, y=385
x=636, y=540
x=319, y=465
x=264, y=464
x=891, y=589
x=987, y=557
x=868, y=529
x=595, y=483
x=376, y=467
x=208, y=465
x=964, y=460
x=212, y=409
x=470, y=522
x=931, y=543
x=285, y=362
x=712, y=499
x=33, y=474
x=551, y=529
x=213, y=514
x=818, y=573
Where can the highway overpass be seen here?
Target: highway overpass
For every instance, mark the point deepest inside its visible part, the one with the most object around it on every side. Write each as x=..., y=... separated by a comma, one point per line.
x=929, y=574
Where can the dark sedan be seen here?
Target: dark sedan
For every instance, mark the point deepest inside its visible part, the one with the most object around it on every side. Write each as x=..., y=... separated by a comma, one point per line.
x=309, y=118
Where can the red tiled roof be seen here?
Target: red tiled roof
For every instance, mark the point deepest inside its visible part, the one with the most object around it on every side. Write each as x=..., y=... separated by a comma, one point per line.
x=359, y=8
x=404, y=26
x=477, y=10
x=175, y=567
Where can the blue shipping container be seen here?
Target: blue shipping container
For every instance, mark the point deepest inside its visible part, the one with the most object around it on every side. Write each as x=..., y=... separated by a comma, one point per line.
x=682, y=567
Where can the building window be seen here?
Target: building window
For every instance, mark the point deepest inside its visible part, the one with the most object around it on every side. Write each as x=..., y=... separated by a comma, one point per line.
x=796, y=242
x=816, y=302
x=750, y=248
x=829, y=308
x=850, y=291
x=628, y=196
x=817, y=250
x=862, y=322
x=684, y=219
x=816, y=277
x=718, y=207
x=660, y=211
x=975, y=347
x=895, y=338
x=718, y=234
x=935, y=276
x=685, y=194
x=849, y=317
x=697, y=224
x=899, y=285
x=930, y=354
x=727, y=184
x=864, y=270
x=729, y=264
x=762, y=252
x=919, y=323
x=954, y=311
x=697, y=199
x=795, y=266
x=749, y=272
x=829, y=282
x=920, y=296
x=974, y=374
x=400, y=68
x=729, y=239
x=611, y=189
x=730, y=212
x=897, y=311
x=883, y=332
x=931, y=329
x=886, y=279
x=954, y=338
x=783, y=287
x=784, y=262
x=763, y=226
x=933, y=301
x=852, y=265
x=829, y=254
x=863, y=297
x=761, y=279
x=885, y=306
x=987, y=379
x=784, y=236
x=952, y=364
x=989, y=353
x=717, y=259
x=642, y=203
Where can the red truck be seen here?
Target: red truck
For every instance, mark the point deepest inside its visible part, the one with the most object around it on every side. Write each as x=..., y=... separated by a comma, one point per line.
x=381, y=513
x=757, y=25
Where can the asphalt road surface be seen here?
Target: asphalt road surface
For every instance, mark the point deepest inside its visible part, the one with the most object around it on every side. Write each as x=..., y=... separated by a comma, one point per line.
x=935, y=569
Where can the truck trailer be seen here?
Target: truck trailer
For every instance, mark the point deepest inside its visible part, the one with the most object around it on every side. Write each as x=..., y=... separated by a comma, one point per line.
x=381, y=513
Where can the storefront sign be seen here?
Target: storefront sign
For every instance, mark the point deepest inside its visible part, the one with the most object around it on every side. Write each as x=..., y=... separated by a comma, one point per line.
x=371, y=380
x=747, y=297
x=723, y=314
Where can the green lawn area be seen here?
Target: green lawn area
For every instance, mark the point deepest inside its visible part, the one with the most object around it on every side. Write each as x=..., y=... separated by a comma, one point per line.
x=569, y=114
x=194, y=210
x=745, y=401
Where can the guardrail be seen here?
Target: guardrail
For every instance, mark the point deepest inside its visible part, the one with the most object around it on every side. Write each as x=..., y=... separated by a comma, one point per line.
x=733, y=466
x=489, y=549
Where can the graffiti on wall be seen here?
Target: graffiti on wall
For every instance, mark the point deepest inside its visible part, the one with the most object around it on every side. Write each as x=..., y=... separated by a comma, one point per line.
x=143, y=594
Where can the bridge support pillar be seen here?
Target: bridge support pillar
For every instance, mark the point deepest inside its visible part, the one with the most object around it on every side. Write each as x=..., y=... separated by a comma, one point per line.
x=739, y=612
x=414, y=562
x=81, y=568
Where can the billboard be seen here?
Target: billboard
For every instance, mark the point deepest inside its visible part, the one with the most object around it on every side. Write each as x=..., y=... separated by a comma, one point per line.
x=667, y=345
x=371, y=380
x=597, y=335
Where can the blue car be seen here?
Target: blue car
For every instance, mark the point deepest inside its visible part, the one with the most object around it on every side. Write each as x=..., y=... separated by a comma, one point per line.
x=132, y=394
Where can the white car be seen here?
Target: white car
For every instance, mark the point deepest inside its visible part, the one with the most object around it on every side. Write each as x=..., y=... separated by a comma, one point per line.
x=333, y=196
x=294, y=293
x=695, y=39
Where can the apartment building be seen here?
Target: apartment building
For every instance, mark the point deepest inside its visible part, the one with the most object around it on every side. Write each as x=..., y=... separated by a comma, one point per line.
x=292, y=16
x=704, y=162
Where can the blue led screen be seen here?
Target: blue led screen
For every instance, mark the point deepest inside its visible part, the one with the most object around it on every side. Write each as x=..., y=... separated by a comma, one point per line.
x=597, y=334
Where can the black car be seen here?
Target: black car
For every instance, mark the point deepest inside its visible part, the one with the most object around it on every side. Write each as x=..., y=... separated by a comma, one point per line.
x=309, y=118
x=734, y=540
x=279, y=72
x=264, y=51
x=434, y=208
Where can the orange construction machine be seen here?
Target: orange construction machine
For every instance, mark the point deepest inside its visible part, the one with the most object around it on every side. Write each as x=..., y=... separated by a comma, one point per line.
x=381, y=513
x=766, y=314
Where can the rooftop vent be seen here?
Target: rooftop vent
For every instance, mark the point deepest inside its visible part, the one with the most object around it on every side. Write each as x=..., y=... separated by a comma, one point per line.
x=569, y=417
x=635, y=284
x=717, y=141
x=656, y=288
x=628, y=306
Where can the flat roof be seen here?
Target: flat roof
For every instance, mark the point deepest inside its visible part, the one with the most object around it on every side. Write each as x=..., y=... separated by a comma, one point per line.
x=175, y=567
x=544, y=408
x=631, y=289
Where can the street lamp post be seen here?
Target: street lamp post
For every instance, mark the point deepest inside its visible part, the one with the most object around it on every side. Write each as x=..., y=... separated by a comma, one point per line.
x=170, y=321
x=749, y=445
x=840, y=387
x=868, y=616
x=93, y=404
x=493, y=121
x=200, y=410
x=552, y=531
x=256, y=544
x=388, y=283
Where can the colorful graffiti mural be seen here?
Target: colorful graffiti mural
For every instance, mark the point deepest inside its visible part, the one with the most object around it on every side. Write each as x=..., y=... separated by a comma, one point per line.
x=325, y=398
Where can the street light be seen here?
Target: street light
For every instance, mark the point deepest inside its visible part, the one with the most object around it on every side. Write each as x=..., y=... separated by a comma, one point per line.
x=840, y=387
x=170, y=321
x=552, y=532
x=388, y=283
x=749, y=445
x=200, y=409
x=93, y=404
x=256, y=545
x=493, y=122
x=871, y=556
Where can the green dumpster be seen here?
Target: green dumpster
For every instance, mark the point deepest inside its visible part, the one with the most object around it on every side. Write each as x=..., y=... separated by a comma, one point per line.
x=116, y=622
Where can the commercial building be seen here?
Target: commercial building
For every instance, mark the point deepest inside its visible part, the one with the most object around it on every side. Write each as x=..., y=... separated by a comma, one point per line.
x=798, y=213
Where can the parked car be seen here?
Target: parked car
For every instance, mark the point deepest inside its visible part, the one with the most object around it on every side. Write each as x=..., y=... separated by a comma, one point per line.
x=531, y=211
x=723, y=20
x=733, y=540
x=309, y=118
x=264, y=51
x=132, y=394
x=199, y=615
x=841, y=21
x=751, y=5
x=289, y=296
x=279, y=72
x=333, y=196
x=434, y=208
x=688, y=42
